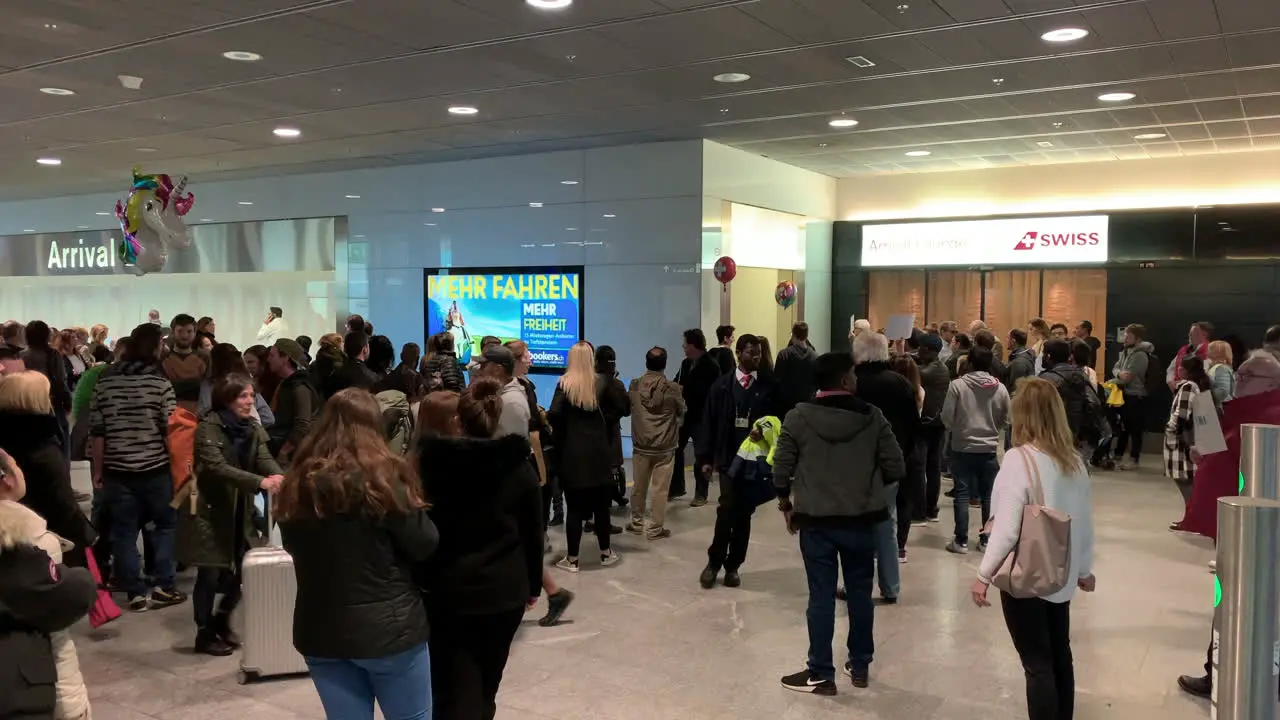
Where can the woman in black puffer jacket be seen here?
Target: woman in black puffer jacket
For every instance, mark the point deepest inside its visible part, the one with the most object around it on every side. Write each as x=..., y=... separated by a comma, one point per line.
x=353, y=517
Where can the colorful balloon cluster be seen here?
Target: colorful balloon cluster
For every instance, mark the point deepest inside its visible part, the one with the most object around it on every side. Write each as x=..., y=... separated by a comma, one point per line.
x=785, y=294
x=146, y=192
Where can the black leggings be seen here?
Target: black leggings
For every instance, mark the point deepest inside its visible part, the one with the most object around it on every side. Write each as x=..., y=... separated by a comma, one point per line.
x=468, y=656
x=1133, y=415
x=1041, y=633
x=911, y=495
x=588, y=504
x=210, y=581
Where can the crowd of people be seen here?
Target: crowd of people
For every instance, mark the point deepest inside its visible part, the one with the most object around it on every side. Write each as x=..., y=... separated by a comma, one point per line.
x=412, y=586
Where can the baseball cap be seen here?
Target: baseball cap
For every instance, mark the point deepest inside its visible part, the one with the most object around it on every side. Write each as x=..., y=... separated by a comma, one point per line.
x=292, y=350
x=501, y=355
x=930, y=341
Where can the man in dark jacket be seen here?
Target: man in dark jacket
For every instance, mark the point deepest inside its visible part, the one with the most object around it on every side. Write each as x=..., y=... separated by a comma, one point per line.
x=1022, y=362
x=734, y=403
x=297, y=401
x=796, y=369
x=42, y=358
x=960, y=345
x=835, y=462
x=1078, y=394
x=722, y=353
x=697, y=373
x=894, y=396
x=931, y=435
x=607, y=377
x=354, y=372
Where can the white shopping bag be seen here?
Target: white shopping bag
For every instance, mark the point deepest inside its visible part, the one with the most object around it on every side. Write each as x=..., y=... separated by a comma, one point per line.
x=1208, y=435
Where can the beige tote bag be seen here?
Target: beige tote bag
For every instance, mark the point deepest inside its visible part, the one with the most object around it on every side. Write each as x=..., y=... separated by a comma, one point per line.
x=1040, y=563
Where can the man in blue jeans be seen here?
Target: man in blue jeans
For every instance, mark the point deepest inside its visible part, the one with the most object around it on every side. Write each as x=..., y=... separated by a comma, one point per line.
x=834, y=458
x=128, y=427
x=975, y=411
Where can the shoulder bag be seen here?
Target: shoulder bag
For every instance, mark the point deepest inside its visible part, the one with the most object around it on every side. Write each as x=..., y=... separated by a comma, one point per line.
x=1040, y=563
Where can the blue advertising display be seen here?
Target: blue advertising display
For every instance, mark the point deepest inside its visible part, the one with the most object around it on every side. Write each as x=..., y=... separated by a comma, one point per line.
x=541, y=306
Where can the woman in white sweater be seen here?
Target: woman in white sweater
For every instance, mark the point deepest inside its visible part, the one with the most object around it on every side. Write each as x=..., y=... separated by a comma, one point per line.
x=1040, y=627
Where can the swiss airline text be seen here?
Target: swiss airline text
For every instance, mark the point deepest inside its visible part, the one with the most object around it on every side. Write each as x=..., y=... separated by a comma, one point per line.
x=1063, y=239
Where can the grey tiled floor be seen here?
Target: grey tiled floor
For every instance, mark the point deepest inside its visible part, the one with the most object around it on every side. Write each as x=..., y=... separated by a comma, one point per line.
x=644, y=641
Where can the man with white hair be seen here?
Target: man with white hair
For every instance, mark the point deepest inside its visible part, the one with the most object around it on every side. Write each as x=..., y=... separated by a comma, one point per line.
x=859, y=326
x=997, y=350
x=878, y=385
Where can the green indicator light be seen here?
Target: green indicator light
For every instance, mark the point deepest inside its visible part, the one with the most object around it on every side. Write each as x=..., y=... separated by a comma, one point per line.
x=1241, y=482
x=1217, y=591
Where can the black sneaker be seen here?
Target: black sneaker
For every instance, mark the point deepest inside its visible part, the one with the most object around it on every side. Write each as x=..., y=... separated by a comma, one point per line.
x=708, y=577
x=556, y=520
x=138, y=603
x=1201, y=687
x=806, y=682
x=698, y=502
x=557, y=603
x=859, y=677
x=208, y=643
x=165, y=598
x=841, y=594
x=676, y=496
x=887, y=601
x=950, y=493
x=732, y=578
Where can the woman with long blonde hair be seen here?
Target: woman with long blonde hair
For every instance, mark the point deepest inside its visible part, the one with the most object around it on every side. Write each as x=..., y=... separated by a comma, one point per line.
x=1037, y=333
x=581, y=433
x=353, y=517
x=1044, y=450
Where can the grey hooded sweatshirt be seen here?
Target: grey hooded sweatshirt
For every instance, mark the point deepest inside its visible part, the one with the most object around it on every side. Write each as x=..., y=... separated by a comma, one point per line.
x=977, y=406
x=1134, y=359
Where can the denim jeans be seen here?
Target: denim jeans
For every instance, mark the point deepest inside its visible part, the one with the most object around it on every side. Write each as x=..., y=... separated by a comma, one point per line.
x=133, y=500
x=974, y=473
x=400, y=683
x=824, y=551
x=886, y=533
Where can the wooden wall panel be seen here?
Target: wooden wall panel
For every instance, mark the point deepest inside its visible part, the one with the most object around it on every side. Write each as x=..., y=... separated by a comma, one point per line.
x=955, y=295
x=892, y=292
x=1012, y=298
x=1074, y=295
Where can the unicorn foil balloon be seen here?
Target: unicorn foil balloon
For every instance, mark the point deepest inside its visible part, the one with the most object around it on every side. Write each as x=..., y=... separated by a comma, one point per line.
x=151, y=218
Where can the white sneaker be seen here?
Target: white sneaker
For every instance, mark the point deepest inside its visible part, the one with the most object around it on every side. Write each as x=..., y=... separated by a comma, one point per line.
x=609, y=558
x=1127, y=464
x=568, y=564
x=957, y=548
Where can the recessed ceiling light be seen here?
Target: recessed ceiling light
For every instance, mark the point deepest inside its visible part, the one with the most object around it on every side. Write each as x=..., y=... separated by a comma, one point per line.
x=352, y=197
x=822, y=145
x=1223, y=222
x=82, y=227
x=1116, y=96
x=572, y=229
x=1062, y=35
x=246, y=202
x=535, y=204
x=568, y=182
x=918, y=153
x=57, y=91
x=50, y=26
x=286, y=132
x=1057, y=125
x=724, y=110
x=998, y=81
x=731, y=77
x=144, y=150
x=429, y=224
x=437, y=210
x=1149, y=136
x=1045, y=144
x=842, y=122
x=50, y=161
x=102, y=213
x=549, y=4
x=462, y=110
x=609, y=215
x=241, y=56
x=29, y=230
x=860, y=61
x=206, y=219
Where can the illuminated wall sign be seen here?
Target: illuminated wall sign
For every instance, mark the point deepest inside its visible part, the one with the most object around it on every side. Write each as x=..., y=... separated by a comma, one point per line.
x=1075, y=240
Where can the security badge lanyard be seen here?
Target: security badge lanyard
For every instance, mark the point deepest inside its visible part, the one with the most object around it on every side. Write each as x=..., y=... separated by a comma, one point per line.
x=742, y=409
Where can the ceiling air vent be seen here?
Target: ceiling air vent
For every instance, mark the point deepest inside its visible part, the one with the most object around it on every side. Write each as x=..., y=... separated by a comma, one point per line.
x=860, y=61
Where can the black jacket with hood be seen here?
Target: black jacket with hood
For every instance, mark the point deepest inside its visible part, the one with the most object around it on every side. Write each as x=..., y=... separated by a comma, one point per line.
x=445, y=366
x=487, y=507
x=696, y=378
x=297, y=404
x=935, y=379
x=834, y=457
x=1022, y=363
x=37, y=597
x=1079, y=397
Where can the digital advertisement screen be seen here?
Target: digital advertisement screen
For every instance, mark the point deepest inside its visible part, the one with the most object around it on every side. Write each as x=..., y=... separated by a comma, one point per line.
x=541, y=306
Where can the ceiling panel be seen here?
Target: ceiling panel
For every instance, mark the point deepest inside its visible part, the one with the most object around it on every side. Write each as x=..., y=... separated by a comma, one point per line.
x=371, y=81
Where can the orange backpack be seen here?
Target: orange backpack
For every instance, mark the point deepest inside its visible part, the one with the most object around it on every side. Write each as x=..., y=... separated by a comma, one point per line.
x=182, y=446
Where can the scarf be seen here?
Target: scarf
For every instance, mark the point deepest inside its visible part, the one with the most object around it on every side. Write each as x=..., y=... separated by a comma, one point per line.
x=240, y=431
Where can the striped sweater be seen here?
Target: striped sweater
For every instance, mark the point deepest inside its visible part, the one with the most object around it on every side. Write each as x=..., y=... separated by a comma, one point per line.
x=130, y=410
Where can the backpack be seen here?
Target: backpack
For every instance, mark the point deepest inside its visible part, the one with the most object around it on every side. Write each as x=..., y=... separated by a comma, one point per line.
x=397, y=420
x=1154, y=377
x=1084, y=421
x=1039, y=564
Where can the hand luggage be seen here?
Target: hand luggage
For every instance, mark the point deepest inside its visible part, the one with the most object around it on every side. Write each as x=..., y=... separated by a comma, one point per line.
x=268, y=593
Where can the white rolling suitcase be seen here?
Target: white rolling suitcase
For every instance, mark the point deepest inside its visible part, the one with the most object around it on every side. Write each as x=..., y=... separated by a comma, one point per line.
x=268, y=591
